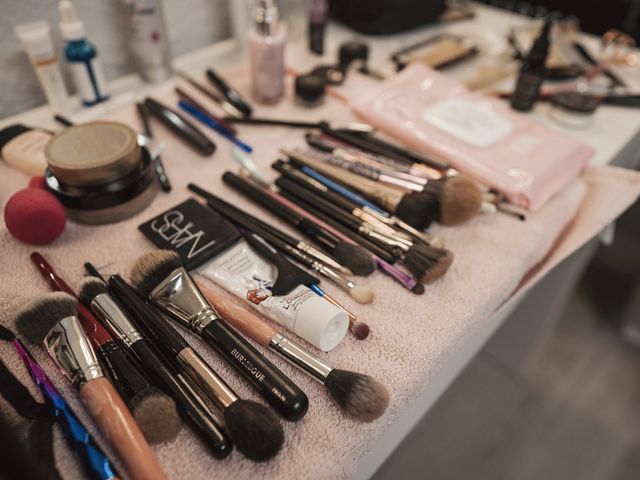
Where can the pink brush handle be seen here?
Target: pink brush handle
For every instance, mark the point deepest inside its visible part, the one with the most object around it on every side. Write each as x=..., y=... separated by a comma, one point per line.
x=115, y=421
x=244, y=320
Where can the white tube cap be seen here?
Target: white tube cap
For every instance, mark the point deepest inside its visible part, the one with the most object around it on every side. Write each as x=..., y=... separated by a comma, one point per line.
x=321, y=323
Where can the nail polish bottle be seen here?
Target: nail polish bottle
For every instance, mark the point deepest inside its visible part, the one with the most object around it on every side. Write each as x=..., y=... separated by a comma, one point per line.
x=266, y=51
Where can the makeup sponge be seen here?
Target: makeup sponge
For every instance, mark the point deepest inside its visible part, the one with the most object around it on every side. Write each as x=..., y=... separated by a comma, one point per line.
x=34, y=216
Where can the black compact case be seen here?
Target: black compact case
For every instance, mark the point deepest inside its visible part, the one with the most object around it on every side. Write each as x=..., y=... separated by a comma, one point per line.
x=383, y=17
x=193, y=231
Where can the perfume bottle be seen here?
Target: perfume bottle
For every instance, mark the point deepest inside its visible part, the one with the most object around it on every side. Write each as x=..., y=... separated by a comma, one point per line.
x=266, y=52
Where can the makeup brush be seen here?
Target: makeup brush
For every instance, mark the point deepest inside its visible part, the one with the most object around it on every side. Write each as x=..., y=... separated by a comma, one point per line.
x=94, y=292
x=285, y=269
x=348, y=236
x=254, y=429
x=350, y=127
x=51, y=319
x=290, y=247
x=94, y=461
x=426, y=263
x=359, y=396
x=160, y=277
x=418, y=209
x=294, y=242
x=154, y=411
x=352, y=256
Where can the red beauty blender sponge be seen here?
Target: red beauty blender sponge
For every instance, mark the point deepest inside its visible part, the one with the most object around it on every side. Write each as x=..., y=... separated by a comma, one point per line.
x=34, y=216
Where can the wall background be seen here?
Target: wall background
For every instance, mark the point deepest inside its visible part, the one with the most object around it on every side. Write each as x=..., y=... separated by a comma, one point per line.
x=191, y=23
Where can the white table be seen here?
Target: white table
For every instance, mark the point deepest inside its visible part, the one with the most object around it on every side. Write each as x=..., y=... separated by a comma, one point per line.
x=614, y=134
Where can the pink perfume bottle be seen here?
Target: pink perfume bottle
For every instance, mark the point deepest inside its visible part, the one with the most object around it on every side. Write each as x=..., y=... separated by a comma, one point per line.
x=266, y=51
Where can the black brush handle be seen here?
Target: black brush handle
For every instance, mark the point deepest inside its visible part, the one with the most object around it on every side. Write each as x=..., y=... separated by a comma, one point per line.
x=313, y=198
x=232, y=96
x=182, y=127
x=240, y=217
x=261, y=198
x=381, y=251
x=290, y=171
x=189, y=408
x=156, y=328
x=274, y=386
x=123, y=372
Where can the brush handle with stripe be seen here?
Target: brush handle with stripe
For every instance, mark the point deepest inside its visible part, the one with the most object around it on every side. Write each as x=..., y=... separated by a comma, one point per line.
x=115, y=421
x=306, y=226
x=233, y=212
x=188, y=402
x=94, y=461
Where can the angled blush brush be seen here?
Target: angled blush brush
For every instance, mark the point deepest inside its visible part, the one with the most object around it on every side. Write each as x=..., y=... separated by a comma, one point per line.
x=144, y=400
x=52, y=319
x=349, y=255
x=359, y=396
x=254, y=429
x=161, y=278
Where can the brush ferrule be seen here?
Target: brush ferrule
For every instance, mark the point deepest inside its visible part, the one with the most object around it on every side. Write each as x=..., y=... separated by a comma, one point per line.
x=107, y=310
x=69, y=347
x=179, y=297
x=335, y=277
x=298, y=356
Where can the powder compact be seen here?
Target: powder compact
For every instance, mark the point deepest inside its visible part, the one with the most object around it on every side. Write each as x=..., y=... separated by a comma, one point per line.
x=573, y=109
x=99, y=172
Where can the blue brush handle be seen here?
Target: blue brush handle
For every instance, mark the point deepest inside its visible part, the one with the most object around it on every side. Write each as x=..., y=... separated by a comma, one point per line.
x=211, y=123
x=96, y=464
x=345, y=192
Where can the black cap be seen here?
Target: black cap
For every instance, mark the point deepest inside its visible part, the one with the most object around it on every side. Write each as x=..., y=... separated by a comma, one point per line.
x=350, y=51
x=310, y=88
x=9, y=133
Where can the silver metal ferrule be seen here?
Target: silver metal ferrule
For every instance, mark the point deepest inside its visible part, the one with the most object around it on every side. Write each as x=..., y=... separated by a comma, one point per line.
x=335, y=277
x=107, y=310
x=299, y=357
x=69, y=347
x=179, y=297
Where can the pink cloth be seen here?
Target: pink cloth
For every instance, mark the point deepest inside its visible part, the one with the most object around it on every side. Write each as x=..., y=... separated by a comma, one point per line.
x=412, y=337
x=477, y=135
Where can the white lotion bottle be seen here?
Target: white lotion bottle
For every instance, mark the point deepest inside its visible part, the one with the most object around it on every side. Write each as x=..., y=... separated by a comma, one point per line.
x=266, y=52
x=148, y=39
x=36, y=40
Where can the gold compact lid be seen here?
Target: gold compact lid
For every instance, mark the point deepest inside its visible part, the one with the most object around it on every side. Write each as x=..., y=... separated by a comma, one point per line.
x=93, y=153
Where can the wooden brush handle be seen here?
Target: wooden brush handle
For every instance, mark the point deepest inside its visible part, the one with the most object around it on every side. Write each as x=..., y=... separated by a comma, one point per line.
x=244, y=320
x=115, y=421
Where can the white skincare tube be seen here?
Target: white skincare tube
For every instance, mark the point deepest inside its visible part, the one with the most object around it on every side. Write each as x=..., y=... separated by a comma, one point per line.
x=243, y=272
x=36, y=40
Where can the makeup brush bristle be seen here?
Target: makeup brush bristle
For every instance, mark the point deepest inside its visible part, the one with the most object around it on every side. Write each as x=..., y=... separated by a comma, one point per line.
x=254, y=429
x=361, y=294
x=427, y=263
x=418, y=209
x=355, y=258
x=6, y=334
x=90, y=288
x=151, y=268
x=36, y=318
x=156, y=415
x=359, y=396
x=360, y=330
x=461, y=200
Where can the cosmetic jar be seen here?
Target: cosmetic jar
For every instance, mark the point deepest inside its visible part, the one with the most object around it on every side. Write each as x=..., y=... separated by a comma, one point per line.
x=572, y=108
x=310, y=90
x=99, y=172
